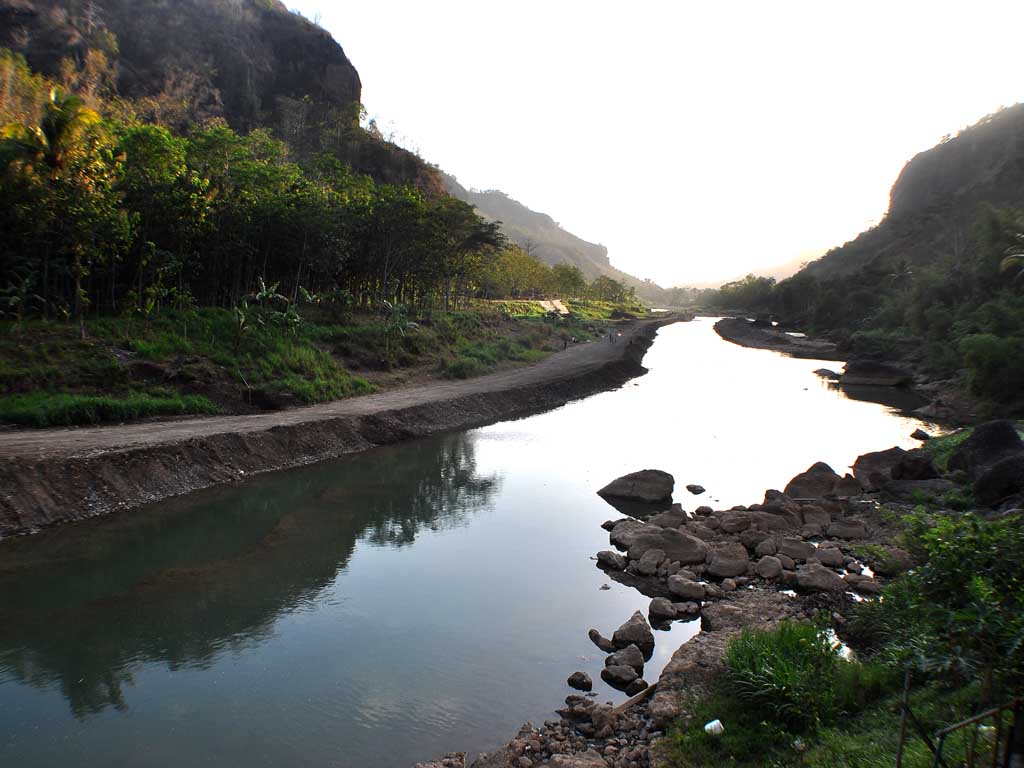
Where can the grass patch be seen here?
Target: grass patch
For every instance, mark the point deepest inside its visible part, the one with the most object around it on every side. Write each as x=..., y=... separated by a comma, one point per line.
x=941, y=448
x=44, y=409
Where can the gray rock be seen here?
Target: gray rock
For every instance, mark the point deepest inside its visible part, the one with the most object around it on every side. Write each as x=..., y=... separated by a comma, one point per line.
x=673, y=518
x=766, y=547
x=848, y=486
x=648, y=486
x=619, y=676
x=580, y=681
x=630, y=656
x=612, y=560
x=695, y=489
x=648, y=564
x=873, y=470
x=661, y=609
x=728, y=559
x=636, y=632
x=847, y=529
x=920, y=434
x=788, y=563
x=636, y=686
x=795, y=548
x=601, y=641
x=769, y=567
x=873, y=373
x=989, y=442
x=819, y=480
x=817, y=578
x=829, y=556
x=680, y=586
x=588, y=759
x=686, y=609
x=1000, y=480
x=703, y=510
x=733, y=522
x=625, y=532
x=678, y=546
x=812, y=514
x=914, y=465
x=728, y=585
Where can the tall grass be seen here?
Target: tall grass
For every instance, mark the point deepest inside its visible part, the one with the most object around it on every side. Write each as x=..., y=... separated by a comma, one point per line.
x=45, y=409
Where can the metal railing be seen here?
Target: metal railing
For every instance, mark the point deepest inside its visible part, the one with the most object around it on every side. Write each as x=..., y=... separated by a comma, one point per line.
x=982, y=745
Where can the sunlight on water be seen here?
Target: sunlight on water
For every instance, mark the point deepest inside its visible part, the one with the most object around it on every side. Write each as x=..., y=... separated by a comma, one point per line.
x=393, y=605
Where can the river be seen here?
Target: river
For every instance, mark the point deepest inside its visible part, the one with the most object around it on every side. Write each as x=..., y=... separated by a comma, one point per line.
x=395, y=604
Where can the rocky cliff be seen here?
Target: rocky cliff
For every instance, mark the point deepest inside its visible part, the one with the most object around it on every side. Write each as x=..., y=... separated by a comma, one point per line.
x=252, y=63
x=935, y=199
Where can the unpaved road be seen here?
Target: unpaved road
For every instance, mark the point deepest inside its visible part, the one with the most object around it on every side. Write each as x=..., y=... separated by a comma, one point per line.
x=40, y=444
x=55, y=476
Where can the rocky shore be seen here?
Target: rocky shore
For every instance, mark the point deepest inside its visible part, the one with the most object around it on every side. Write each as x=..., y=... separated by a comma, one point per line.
x=48, y=477
x=862, y=378
x=818, y=545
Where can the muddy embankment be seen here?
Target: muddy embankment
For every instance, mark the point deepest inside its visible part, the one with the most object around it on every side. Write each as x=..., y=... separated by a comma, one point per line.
x=38, y=491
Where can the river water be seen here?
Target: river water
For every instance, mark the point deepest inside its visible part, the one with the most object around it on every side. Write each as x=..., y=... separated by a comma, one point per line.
x=396, y=604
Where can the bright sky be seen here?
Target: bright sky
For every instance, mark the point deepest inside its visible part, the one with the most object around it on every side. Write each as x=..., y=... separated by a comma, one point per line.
x=696, y=140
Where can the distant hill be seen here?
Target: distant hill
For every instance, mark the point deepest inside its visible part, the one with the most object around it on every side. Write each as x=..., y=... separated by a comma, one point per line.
x=252, y=63
x=934, y=202
x=543, y=237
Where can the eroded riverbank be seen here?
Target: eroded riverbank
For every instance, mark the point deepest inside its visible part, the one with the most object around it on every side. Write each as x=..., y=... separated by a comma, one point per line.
x=56, y=476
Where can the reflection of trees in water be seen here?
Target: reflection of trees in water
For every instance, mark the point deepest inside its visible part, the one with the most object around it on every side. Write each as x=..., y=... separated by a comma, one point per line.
x=438, y=489
x=186, y=581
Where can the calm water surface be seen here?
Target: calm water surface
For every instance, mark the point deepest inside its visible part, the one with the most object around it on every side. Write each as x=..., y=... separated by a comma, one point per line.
x=393, y=605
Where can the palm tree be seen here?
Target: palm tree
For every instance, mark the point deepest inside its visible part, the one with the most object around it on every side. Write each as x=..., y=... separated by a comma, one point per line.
x=59, y=133
x=52, y=143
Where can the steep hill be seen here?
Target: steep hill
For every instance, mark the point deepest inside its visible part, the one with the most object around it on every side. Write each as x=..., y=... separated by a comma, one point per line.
x=543, y=237
x=934, y=202
x=251, y=63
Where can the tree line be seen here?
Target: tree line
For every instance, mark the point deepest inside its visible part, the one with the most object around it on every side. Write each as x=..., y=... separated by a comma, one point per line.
x=104, y=212
x=963, y=311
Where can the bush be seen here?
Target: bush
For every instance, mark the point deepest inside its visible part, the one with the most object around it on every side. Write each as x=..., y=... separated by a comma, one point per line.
x=995, y=365
x=795, y=676
x=465, y=368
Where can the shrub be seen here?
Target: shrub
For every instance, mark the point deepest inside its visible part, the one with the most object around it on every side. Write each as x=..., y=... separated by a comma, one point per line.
x=465, y=368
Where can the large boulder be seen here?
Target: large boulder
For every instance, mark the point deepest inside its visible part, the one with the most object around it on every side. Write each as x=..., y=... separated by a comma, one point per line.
x=873, y=470
x=613, y=561
x=624, y=533
x=648, y=486
x=733, y=522
x=678, y=547
x=636, y=632
x=989, y=443
x=817, y=578
x=1000, y=480
x=769, y=567
x=680, y=586
x=872, y=373
x=914, y=465
x=661, y=609
x=673, y=518
x=795, y=548
x=830, y=556
x=847, y=529
x=728, y=559
x=648, y=564
x=819, y=480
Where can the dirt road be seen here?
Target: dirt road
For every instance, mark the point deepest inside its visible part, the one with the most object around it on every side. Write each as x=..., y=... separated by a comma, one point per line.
x=56, y=475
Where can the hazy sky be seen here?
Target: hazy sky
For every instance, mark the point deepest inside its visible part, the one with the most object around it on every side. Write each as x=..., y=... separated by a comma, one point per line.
x=697, y=141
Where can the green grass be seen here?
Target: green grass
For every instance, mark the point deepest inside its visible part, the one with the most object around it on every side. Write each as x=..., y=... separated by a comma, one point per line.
x=941, y=448
x=44, y=409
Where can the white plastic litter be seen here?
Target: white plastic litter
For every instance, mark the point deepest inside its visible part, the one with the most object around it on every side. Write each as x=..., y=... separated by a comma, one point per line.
x=715, y=728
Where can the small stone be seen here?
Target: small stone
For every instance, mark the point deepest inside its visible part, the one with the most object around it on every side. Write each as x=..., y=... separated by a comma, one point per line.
x=695, y=489
x=601, y=641
x=661, y=609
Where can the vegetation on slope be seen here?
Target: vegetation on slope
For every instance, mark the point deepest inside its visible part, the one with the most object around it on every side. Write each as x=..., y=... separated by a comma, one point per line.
x=787, y=696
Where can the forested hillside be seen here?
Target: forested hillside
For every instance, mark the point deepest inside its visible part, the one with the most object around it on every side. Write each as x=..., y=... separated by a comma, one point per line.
x=192, y=245
x=939, y=282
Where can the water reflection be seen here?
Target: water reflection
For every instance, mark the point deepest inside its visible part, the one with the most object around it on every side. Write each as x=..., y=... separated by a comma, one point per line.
x=185, y=582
